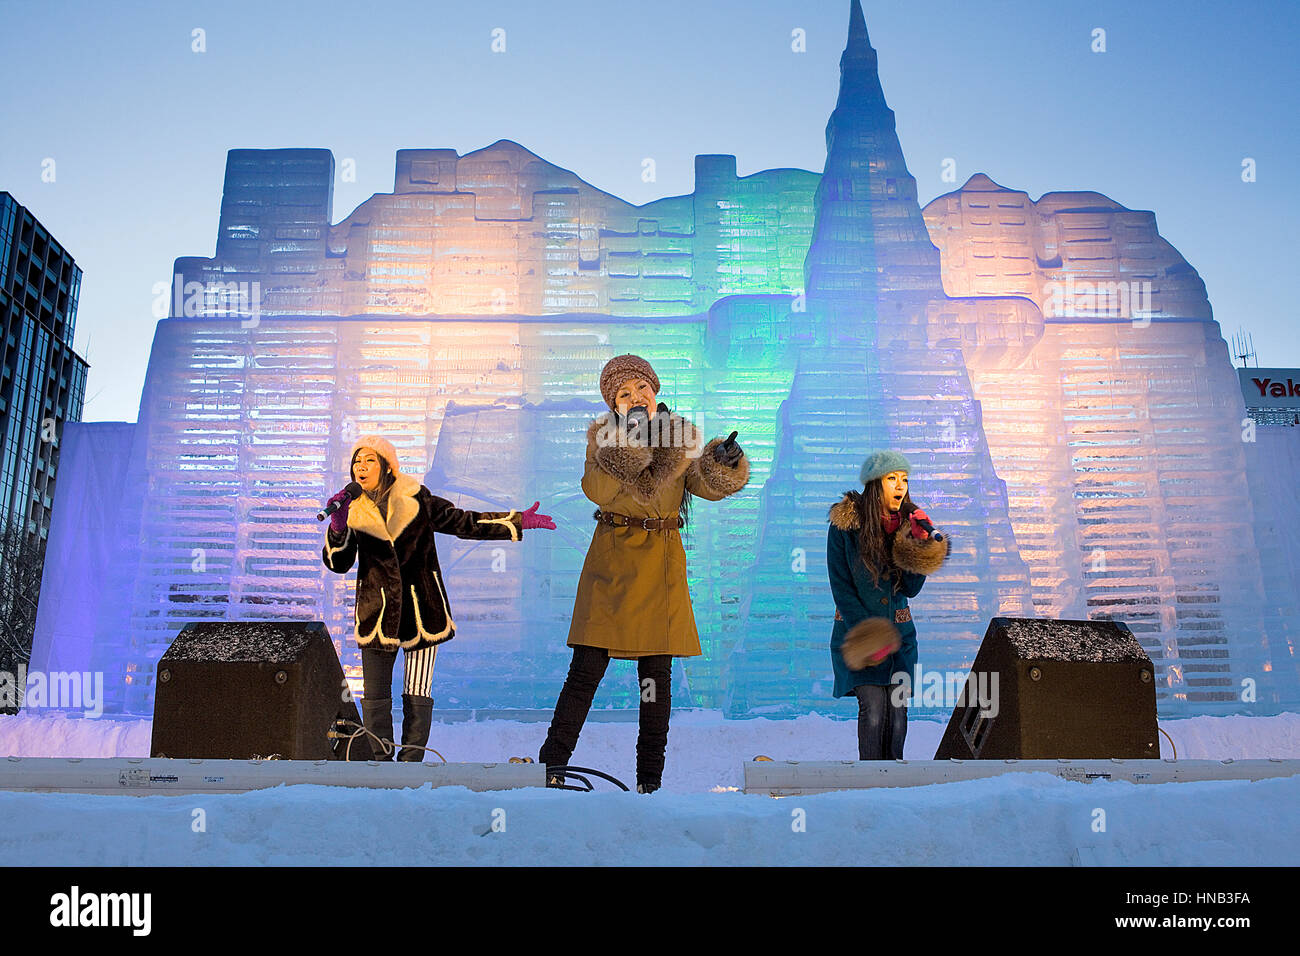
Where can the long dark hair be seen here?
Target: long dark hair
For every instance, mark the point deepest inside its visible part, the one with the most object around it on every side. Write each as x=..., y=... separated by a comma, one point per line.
x=875, y=546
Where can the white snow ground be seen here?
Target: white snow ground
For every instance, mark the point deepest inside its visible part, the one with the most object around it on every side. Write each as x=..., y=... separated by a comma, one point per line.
x=1019, y=819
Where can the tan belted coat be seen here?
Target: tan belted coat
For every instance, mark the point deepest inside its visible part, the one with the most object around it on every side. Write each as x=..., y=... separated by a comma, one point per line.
x=632, y=597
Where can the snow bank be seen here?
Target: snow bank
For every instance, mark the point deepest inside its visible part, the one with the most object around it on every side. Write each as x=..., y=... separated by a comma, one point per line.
x=1013, y=820
x=1020, y=819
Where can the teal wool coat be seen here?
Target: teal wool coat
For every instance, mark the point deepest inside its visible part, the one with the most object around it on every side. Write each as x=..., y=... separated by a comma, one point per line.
x=857, y=598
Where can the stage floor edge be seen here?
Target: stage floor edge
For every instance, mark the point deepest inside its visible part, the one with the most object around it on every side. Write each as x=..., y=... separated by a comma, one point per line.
x=791, y=778
x=145, y=776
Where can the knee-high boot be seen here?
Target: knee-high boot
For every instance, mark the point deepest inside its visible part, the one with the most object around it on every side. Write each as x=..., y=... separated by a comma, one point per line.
x=655, y=674
x=417, y=717
x=377, y=715
x=585, y=671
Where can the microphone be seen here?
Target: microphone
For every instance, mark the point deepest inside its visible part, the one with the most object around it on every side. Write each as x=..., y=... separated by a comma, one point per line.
x=637, y=423
x=354, y=492
x=908, y=507
x=637, y=416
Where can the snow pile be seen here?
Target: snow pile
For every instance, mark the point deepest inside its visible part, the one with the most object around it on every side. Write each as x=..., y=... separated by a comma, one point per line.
x=1013, y=820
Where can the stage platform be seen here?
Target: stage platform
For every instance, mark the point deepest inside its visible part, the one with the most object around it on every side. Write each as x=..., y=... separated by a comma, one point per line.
x=144, y=776
x=789, y=778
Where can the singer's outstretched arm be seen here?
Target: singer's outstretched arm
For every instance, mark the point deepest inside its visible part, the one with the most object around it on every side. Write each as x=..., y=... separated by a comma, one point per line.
x=446, y=518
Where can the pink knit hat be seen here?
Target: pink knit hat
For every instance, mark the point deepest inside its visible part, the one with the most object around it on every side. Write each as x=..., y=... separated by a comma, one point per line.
x=381, y=446
x=621, y=368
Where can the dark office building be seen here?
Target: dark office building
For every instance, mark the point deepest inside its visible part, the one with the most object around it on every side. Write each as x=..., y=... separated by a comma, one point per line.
x=44, y=380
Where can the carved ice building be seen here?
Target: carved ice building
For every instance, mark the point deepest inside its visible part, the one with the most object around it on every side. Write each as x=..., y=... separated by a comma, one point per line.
x=1086, y=462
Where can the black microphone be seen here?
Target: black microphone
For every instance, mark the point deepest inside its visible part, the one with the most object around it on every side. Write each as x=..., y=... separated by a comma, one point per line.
x=354, y=492
x=637, y=422
x=908, y=507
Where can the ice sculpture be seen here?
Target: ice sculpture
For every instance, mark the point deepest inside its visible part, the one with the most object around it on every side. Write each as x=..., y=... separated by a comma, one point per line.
x=1085, y=464
x=1125, y=396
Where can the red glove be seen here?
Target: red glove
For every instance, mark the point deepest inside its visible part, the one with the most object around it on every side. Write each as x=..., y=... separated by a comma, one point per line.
x=917, y=516
x=531, y=519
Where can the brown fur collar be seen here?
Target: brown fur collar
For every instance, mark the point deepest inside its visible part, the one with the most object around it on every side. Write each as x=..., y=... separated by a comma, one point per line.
x=363, y=514
x=919, y=557
x=844, y=513
x=645, y=471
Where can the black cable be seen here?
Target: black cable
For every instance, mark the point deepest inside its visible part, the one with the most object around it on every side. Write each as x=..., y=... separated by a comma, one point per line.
x=562, y=771
x=385, y=746
x=578, y=776
x=565, y=771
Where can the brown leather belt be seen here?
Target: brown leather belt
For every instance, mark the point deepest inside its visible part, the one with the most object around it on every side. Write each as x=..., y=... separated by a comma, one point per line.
x=615, y=520
x=901, y=616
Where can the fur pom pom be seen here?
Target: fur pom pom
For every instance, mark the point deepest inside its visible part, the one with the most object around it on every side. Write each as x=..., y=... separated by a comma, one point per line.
x=869, y=642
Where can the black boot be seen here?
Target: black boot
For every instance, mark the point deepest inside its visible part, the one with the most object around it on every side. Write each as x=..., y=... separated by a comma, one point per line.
x=652, y=726
x=585, y=671
x=417, y=717
x=377, y=715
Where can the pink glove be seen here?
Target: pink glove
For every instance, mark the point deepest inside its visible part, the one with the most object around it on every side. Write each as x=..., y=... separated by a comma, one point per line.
x=531, y=519
x=917, y=516
x=339, y=519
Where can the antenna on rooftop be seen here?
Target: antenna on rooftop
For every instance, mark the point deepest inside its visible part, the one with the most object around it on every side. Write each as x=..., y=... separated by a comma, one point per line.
x=1243, y=347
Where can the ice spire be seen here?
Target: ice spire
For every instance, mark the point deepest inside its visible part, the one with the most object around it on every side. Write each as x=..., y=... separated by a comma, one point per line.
x=859, y=69
x=870, y=239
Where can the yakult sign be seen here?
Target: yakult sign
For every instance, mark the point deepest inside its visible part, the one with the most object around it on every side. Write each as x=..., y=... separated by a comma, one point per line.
x=1270, y=387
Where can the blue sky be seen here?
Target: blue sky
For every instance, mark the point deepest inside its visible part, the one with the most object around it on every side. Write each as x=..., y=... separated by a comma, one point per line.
x=138, y=124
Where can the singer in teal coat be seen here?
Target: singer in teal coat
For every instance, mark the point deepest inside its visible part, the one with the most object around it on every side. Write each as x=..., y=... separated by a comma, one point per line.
x=857, y=597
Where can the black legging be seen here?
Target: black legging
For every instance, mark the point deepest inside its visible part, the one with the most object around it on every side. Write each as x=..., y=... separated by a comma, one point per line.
x=585, y=672
x=377, y=672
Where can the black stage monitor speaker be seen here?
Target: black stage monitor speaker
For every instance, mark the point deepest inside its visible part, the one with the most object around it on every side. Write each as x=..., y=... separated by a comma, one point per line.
x=244, y=689
x=1045, y=689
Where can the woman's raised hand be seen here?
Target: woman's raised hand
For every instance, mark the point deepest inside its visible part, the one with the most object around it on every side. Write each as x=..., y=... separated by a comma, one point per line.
x=728, y=452
x=917, y=516
x=531, y=519
x=339, y=519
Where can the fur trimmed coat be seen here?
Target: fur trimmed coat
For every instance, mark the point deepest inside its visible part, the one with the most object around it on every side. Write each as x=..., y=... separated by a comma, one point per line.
x=401, y=598
x=857, y=598
x=632, y=596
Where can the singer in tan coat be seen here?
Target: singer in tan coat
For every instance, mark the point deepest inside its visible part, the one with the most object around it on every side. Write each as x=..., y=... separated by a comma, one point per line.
x=643, y=465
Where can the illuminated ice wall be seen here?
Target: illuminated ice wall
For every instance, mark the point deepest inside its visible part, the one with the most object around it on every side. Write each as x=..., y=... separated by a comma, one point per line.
x=1068, y=406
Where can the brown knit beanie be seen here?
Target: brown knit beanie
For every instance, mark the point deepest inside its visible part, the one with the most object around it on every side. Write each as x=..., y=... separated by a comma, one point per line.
x=621, y=368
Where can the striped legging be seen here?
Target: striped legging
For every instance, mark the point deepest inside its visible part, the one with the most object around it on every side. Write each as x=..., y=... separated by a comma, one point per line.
x=377, y=672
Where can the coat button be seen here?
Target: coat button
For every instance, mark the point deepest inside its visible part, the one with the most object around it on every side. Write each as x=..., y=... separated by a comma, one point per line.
x=884, y=600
